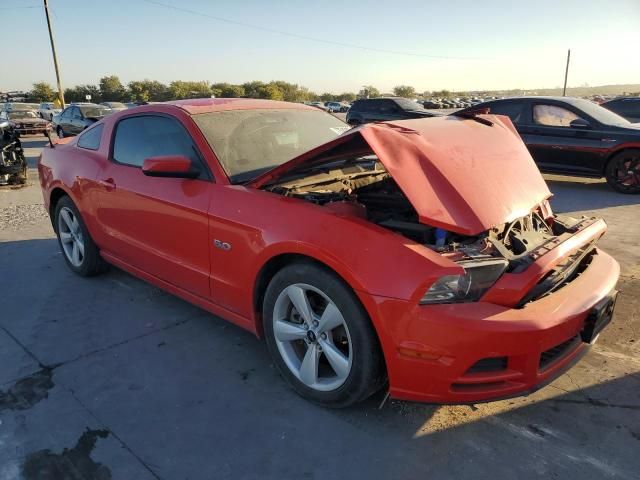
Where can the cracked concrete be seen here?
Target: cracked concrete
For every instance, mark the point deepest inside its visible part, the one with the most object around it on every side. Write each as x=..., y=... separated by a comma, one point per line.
x=115, y=379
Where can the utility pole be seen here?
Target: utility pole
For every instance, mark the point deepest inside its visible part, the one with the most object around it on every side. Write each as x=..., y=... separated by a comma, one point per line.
x=53, y=50
x=566, y=73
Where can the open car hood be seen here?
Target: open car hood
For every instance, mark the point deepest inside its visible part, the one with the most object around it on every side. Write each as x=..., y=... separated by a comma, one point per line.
x=459, y=174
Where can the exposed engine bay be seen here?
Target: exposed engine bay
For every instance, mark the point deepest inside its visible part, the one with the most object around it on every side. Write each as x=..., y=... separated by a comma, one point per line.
x=363, y=188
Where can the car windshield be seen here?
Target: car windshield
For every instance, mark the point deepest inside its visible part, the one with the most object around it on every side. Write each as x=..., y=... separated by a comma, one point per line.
x=250, y=142
x=601, y=114
x=94, y=111
x=23, y=114
x=407, y=104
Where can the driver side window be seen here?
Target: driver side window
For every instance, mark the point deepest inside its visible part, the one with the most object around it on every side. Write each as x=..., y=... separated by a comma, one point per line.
x=553, y=116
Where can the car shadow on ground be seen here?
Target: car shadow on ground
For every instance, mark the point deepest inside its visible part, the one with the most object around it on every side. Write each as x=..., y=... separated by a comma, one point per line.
x=579, y=194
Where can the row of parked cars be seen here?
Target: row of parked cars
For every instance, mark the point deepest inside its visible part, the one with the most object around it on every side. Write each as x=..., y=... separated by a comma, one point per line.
x=565, y=135
x=34, y=118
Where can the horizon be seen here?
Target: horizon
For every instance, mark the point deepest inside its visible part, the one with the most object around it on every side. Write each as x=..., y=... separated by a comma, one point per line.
x=516, y=48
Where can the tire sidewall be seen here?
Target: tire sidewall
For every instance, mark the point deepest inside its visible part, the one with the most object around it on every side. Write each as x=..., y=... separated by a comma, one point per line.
x=365, y=368
x=91, y=258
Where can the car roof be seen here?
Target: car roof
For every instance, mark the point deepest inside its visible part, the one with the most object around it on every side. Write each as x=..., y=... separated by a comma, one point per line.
x=570, y=100
x=206, y=105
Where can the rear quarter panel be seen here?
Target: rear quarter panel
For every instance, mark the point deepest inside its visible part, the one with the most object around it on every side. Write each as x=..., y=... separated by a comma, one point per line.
x=73, y=170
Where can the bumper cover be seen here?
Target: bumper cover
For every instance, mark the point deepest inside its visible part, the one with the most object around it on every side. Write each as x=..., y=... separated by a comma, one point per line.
x=430, y=349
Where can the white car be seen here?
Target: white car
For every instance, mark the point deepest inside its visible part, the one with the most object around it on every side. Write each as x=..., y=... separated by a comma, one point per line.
x=336, y=107
x=47, y=110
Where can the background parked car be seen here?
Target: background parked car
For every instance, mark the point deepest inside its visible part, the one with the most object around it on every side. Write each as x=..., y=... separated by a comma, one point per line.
x=573, y=136
x=26, y=122
x=336, y=106
x=627, y=107
x=75, y=118
x=47, y=110
x=115, y=106
x=382, y=109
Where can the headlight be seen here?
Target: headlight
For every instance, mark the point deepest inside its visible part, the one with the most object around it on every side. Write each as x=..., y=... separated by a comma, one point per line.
x=18, y=125
x=478, y=277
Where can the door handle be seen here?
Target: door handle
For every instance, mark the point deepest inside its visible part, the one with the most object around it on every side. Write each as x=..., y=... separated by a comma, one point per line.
x=108, y=184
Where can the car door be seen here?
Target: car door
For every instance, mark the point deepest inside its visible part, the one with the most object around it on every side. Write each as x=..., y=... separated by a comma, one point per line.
x=65, y=120
x=557, y=145
x=77, y=121
x=158, y=225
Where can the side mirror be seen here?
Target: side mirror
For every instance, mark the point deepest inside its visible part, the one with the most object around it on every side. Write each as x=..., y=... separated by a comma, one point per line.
x=173, y=166
x=580, y=123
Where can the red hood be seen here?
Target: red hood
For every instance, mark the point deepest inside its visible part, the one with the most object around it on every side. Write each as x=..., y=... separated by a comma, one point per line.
x=459, y=174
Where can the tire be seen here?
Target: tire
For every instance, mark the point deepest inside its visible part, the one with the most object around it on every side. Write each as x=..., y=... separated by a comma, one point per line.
x=300, y=343
x=60, y=132
x=623, y=172
x=71, y=229
x=354, y=122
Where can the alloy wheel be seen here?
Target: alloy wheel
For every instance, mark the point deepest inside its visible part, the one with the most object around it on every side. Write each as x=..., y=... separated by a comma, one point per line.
x=71, y=237
x=312, y=337
x=626, y=172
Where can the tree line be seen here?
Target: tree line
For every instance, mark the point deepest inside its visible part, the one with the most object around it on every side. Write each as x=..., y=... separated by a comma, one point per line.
x=111, y=89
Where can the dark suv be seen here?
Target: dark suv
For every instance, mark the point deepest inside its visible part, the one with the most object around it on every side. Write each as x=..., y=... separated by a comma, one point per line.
x=627, y=107
x=382, y=109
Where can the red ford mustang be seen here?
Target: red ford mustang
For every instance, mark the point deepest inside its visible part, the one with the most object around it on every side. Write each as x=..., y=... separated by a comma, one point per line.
x=419, y=253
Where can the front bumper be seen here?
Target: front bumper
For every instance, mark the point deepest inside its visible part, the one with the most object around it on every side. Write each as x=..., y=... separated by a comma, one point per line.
x=33, y=130
x=433, y=351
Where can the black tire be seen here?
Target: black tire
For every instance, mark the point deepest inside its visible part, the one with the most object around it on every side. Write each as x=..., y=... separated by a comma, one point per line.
x=623, y=172
x=92, y=263
x=367, y=372
x=60, y=132
x=354, y=122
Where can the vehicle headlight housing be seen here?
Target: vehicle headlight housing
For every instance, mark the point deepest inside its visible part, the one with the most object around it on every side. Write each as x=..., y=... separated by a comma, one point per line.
x=478, y=277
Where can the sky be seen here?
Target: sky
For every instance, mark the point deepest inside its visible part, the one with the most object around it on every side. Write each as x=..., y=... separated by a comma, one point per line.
x=329, y=46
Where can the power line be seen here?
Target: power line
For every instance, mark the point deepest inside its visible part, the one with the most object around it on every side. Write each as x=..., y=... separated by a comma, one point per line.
x=305, y=37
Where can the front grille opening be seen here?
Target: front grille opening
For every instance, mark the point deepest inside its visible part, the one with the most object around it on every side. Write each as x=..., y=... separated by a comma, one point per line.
x=549, y=357
x=479, y=387
x=562, y=275
x=492, y=364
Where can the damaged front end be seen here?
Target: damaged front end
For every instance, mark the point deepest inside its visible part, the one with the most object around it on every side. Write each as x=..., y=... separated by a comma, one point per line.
x=478, y=201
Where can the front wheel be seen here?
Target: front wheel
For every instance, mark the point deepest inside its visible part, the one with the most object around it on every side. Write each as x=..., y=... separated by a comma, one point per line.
x=623, y=172
x=78, y=249
x=320, y=338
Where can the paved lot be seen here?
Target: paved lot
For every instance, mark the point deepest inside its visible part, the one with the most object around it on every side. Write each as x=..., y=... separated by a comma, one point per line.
x=111, y=378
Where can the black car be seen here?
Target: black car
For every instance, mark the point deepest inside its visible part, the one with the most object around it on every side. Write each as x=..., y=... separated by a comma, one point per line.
x=573, y=136
x=382, y=109
x=75, y=118
x=627, y=107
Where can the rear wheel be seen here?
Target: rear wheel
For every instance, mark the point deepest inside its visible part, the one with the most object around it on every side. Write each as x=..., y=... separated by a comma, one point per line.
x=60, y=132
x=78, y=249
x=623, y=172
x=320, y=338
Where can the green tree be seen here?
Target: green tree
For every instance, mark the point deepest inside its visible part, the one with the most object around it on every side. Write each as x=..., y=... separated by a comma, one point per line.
x=346, y=97
x=404, y=91
x=270, y=91
x=79, y=94
x=252, y=89
x=227, y=90
x=42, y=92
x=369, y=91
x=112, y=89
x=148, y=90
x=179, y=89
